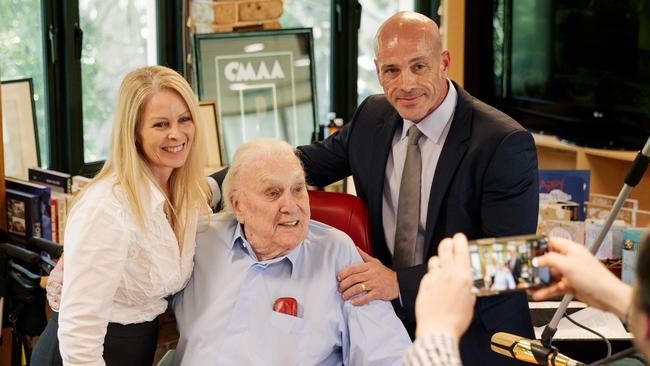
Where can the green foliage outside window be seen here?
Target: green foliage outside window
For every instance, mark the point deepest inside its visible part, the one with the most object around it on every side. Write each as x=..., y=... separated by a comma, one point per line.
x=22, y=55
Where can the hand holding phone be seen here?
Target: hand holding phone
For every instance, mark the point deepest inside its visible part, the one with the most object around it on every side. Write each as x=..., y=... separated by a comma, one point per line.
x=578, y=272
x=445, y=302
x=505, y=264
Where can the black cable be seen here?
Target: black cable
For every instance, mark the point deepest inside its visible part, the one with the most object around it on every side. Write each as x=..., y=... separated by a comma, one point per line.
x=609, y=345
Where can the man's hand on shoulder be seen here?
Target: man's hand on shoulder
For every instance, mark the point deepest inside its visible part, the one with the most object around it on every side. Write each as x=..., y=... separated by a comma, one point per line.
x=371, y=279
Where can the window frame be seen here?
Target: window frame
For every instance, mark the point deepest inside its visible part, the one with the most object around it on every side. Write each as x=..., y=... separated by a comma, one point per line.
x=62, y=39
x=346, y=19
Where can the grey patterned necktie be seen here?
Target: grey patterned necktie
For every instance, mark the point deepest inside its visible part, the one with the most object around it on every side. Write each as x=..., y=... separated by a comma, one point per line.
x=408, y=206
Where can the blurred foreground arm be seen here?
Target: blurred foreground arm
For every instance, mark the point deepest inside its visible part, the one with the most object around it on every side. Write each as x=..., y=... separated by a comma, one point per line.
x=579, y=273
x=444, y=306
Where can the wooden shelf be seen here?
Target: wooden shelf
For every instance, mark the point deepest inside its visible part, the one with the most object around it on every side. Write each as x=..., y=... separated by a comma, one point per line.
x=608, y=169
x=553, y=142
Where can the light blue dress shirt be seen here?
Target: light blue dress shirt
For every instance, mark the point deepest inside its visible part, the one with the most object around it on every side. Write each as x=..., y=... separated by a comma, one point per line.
x=225, y=314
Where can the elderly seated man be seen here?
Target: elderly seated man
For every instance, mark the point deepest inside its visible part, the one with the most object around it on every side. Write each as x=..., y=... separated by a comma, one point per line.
x=259, y=256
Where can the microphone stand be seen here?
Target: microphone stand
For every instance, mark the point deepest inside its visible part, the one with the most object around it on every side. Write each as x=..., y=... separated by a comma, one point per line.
x=634, y=175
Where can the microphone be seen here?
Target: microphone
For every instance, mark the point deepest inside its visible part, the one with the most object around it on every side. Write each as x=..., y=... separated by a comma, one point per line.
x=528, y=350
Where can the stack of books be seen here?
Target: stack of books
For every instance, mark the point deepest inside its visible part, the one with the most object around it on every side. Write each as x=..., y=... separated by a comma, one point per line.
x=39, y=207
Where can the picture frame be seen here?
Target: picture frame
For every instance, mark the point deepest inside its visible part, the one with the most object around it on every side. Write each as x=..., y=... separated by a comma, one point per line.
x=263, y=83
x=21, y=149
x=210, y=128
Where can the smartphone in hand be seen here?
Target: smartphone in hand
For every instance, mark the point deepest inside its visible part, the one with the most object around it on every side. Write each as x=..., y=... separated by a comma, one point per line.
x=505, y=264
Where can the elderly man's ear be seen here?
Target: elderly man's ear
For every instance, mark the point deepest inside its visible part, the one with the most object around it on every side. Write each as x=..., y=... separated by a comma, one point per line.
x=236, y=209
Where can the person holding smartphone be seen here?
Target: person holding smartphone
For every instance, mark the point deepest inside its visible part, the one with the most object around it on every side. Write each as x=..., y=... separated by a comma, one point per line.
x=444, y=306
x=575, y=271
x=578, y=272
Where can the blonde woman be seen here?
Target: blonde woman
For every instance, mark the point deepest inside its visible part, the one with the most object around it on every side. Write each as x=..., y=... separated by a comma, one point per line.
x=130, y=236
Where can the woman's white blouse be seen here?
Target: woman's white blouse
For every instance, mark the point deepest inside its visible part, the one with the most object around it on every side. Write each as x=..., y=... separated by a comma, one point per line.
x=116, y=270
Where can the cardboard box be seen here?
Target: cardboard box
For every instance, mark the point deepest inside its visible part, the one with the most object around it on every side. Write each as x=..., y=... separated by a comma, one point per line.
x=231, y=12
x=598, y=211
x=572, y=230
x=259, y=10
x=566, y=211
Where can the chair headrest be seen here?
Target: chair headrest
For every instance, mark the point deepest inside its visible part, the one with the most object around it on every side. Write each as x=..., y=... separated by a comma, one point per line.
x=343, y=211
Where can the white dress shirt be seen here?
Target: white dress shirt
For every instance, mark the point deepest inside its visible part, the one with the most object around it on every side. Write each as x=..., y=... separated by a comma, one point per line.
x=117, y=270
x=434, y=128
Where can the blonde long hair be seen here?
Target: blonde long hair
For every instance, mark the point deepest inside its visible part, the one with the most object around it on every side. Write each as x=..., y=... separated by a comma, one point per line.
x=187, y=185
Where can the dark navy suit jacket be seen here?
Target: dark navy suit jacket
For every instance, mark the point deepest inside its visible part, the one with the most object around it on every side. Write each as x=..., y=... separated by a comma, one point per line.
x=485, y=185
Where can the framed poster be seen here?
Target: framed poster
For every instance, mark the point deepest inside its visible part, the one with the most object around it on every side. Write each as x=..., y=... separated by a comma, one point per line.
x=210, y=128
x=263, y=83
x=19, y=128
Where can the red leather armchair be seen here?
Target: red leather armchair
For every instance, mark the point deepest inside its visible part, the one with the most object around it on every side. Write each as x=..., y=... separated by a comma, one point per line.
x=343, y=211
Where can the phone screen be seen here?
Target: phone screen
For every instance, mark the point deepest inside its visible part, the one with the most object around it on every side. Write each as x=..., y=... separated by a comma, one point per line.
x=505, y=264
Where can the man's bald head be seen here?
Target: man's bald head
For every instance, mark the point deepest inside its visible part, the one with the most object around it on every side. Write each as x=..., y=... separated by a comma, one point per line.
x=407, y=24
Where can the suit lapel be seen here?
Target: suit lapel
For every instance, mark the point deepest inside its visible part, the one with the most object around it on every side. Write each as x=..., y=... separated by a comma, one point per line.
x=382, y=140
x=451, y=155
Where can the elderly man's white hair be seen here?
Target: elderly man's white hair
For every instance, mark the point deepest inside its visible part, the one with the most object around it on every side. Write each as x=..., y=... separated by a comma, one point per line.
x=249, y=156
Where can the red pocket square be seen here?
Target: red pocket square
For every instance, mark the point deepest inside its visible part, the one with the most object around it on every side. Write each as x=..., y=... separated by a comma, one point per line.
x=286, y=305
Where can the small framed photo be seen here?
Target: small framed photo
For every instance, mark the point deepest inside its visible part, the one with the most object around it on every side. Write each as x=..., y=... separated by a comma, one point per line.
x=19, y=128
x=210, y=128
x=263, y=83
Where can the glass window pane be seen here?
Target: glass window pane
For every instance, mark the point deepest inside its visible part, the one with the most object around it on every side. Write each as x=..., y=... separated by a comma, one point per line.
x=117, y=38
x=314, y=14
x=22, y=56
x=374, y=12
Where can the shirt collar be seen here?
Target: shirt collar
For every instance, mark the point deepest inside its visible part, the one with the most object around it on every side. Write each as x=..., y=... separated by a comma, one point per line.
x=152, y=200
x=434, y=124
x=239, y=242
